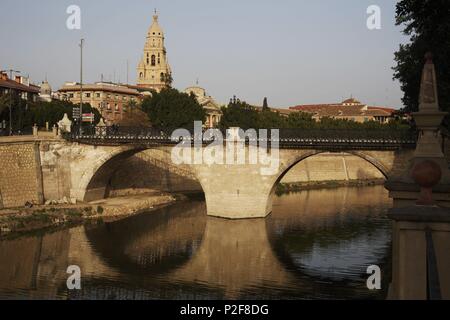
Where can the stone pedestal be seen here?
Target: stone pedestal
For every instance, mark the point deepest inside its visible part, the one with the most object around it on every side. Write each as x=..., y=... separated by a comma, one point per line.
x=409, y=258
x=64, y=125
x=403, y=189
x=421, y=233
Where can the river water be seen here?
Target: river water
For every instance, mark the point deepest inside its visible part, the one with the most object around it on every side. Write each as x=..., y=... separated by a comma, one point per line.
x=316, y=244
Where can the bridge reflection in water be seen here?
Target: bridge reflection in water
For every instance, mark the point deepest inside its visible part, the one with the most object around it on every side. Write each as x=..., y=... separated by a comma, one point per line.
x=316, y=244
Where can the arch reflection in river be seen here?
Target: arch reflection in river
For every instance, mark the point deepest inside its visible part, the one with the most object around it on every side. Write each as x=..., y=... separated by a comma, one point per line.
x=316, y=244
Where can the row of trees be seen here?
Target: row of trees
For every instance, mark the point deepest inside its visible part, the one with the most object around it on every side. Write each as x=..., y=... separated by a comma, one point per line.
x=172, y=109
x=26, y=114
x=240, y=114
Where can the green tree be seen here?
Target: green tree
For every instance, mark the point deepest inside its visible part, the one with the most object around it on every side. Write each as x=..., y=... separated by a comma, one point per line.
x=427, y=22
x=265, y=105
x=268, y=119
x=4, y=103
x=239, y=114
x=301, y=120
x=25, y=114
x=41, y=112
x=171, y=109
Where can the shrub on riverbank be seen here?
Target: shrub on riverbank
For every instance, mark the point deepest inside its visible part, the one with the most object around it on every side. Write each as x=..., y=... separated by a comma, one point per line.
x=286, y=188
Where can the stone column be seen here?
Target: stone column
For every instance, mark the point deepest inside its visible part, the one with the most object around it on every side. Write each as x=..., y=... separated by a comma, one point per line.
x=402, y=188
x=421, y=227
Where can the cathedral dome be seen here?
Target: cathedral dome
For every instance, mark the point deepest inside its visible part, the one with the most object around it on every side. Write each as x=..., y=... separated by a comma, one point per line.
x=45, y=88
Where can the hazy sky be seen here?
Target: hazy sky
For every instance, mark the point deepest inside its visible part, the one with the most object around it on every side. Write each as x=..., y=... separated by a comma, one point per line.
x=292, y=51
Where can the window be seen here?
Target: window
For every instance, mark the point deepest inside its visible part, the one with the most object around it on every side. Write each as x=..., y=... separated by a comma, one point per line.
x=88, y=95
x=98, y=94
x=153, y=60
x=71, y=95
x=141, y=75
x=116, y=107
x=108, y=106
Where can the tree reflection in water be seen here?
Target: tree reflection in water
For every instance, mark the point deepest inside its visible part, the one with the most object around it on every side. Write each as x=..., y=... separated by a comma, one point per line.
x=316, y=244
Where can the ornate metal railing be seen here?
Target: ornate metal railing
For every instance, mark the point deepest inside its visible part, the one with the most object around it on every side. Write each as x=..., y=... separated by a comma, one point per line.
x=287, y=138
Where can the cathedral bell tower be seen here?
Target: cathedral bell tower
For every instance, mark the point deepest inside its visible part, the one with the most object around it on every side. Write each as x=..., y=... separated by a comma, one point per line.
x=154, y=71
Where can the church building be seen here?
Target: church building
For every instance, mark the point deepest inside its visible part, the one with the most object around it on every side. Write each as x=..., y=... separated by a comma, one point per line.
x=153, y=70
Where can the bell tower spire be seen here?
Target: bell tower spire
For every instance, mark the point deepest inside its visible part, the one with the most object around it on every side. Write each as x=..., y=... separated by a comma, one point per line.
x=153, y=70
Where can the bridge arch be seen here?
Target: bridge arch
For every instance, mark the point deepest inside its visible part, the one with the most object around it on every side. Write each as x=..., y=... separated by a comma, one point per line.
x=291, y=162
x=94, y=171
x=94, y=165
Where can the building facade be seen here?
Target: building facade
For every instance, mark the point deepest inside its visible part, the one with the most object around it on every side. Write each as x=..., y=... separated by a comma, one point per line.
x=20, y=86
x=113, y=101
x=212, y=108
x=350, y=109
x=154, y=70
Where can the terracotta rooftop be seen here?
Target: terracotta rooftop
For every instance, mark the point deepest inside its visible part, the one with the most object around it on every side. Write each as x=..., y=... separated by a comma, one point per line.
x=347, y=108
x=11, y=84
x=101, y=86
x=281, y=111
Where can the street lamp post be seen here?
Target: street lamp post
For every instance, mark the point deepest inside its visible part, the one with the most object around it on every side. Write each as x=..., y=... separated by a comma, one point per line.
x=10, y=99
x=81, y=85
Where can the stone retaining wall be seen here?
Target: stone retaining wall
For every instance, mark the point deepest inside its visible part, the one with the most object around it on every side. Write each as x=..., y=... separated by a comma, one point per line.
x=20, y=175
x=332, y=167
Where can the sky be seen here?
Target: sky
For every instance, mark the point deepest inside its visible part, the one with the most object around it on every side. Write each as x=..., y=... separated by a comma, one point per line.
x=290, y=51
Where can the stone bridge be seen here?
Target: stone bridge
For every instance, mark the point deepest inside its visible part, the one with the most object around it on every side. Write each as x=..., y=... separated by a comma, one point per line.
x=83, y=171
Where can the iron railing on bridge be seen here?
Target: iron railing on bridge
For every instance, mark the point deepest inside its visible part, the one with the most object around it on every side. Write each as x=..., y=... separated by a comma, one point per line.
x=287, y=138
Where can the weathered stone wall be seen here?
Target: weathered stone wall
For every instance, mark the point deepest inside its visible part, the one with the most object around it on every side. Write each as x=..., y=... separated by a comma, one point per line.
x=332, y=167
x=55, y=166
x=152, y=170
x=20, y=174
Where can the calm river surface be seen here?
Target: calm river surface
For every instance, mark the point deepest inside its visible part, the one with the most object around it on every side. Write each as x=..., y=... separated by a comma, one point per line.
x=316, y=245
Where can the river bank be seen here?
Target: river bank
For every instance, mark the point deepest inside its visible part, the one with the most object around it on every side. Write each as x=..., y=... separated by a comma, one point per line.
x=17, y=221
x=286, y=188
